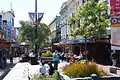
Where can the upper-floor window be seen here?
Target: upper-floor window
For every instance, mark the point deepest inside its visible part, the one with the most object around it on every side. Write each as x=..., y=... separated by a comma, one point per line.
x=4, y=22
x=83, y=1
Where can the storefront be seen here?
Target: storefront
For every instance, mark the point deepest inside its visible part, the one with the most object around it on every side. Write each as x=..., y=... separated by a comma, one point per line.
x=99, y=49
x=4, y=53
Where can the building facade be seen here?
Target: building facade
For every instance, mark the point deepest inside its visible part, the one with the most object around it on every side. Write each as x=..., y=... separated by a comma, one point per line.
x=55, y=30
x=7, y=25
x=6, y=35
x=67, y=9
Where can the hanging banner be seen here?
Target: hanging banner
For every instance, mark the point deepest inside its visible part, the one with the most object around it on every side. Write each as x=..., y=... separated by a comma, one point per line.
x=32, y=16
x=40, y=16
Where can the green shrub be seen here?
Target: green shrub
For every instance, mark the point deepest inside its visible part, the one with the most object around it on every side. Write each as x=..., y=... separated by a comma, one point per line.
x=47, y=77
x=47, y=54
x=83, y=69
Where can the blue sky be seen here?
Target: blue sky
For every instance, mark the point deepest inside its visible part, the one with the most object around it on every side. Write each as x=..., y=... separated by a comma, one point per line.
x=21, y=8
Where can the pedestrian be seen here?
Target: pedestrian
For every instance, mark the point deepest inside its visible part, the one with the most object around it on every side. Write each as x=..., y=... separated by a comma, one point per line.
x=114, y=57
x=11, y=57
x=56, y=59
x=80, y=55
x=62, y=55
x=51, y=69
x=43, y=69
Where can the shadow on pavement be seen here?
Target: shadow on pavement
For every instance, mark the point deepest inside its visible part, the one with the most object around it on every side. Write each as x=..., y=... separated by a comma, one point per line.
x=6, y=70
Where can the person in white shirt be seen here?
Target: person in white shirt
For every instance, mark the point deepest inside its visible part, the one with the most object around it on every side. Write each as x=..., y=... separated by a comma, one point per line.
x=43, y=69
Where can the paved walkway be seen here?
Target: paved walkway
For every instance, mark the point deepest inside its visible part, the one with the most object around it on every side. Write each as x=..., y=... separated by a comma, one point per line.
x=21, y=71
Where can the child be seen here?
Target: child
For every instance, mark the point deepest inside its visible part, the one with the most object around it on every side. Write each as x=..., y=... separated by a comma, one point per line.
x=43, y=69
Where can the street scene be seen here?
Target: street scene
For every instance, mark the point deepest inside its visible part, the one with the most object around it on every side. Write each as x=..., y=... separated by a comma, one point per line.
x=60, y=40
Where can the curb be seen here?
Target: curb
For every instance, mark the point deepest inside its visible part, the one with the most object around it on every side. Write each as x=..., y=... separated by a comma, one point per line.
x=6, y=71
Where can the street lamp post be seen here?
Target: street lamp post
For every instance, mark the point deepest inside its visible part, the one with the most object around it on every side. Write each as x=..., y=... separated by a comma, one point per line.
x=36, y=25
x=34, y=59
x=36, y=18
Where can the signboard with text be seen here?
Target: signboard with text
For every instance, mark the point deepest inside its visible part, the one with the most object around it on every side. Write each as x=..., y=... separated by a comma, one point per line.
x=115, y=21
x=115, y=7
x=5, y=45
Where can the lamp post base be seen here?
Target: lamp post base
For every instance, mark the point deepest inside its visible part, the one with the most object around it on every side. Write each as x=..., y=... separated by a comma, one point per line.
x=34, y=60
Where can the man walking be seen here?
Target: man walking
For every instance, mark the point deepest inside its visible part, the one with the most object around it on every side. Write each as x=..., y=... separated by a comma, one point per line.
x=56, y=59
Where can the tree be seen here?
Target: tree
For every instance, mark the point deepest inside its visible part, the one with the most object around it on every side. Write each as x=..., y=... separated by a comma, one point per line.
x=93, y=17
x=27, y=32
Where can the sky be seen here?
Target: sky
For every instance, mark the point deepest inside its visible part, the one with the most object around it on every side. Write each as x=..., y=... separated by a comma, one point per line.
x=51, y=8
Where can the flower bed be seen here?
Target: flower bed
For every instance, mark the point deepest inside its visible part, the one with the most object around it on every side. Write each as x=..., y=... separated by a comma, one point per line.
x=47, y=54
x=47, y=57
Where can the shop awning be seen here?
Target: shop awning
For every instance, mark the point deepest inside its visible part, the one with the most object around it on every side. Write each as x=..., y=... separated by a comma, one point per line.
x=75, y=41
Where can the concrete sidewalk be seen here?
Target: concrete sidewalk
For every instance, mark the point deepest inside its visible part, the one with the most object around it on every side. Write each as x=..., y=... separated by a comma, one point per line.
x=23, y=71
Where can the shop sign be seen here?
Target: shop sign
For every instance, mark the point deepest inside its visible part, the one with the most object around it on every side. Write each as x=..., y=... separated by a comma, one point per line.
x=5, y=45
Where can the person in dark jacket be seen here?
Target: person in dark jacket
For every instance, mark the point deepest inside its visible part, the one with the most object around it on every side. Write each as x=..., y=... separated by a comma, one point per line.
x=51, y=69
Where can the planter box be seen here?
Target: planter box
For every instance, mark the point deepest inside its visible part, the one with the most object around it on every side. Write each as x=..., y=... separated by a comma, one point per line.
x=111, y=77
x=112, y=69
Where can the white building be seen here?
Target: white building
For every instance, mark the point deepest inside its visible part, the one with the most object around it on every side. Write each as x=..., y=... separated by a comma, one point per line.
x=63, y=20
x=67, y=9
x=52, y=30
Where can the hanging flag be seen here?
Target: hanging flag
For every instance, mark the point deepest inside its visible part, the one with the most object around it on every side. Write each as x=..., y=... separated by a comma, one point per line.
x=40, y=16
x=32, y=16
